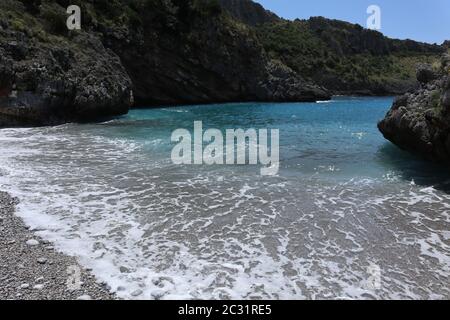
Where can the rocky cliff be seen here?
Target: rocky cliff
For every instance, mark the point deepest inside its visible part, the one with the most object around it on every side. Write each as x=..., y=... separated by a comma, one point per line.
x=419, y=121
x=45, y=79
x=344, y=57
x=146, y=52
x=180, y=53
x=249, y=12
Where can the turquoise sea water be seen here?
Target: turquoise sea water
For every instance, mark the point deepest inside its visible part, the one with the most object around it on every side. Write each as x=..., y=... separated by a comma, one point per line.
x=348, y=216
x=334, y=139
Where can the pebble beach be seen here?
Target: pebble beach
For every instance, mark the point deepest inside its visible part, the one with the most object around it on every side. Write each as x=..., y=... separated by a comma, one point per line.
x=31, y=269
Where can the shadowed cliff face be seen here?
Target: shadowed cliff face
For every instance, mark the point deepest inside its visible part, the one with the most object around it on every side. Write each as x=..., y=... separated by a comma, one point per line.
x=420, y=121
x=50, y=80
x=147, y=52
x=192, y=56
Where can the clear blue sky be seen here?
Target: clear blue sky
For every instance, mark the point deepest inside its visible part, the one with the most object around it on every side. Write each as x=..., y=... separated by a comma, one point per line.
x=422, y=20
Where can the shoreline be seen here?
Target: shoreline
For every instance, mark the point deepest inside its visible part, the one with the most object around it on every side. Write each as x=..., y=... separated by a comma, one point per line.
x=31, y=268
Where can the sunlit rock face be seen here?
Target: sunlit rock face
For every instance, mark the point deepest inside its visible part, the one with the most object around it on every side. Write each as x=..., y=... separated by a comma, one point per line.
x=419, y=121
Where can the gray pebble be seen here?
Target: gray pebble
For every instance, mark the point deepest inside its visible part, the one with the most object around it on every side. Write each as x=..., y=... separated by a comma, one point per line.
x=38, y=287
x=32, y=242
x=24, y=286
x=42, y=260
x=136, y=293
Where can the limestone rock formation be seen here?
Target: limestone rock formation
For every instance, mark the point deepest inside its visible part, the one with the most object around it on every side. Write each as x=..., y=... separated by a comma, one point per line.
x=419, y=121
x=46, y=81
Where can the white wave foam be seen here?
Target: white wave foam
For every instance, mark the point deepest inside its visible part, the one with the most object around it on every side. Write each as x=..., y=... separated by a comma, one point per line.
x=325, y=101
x=182, y=233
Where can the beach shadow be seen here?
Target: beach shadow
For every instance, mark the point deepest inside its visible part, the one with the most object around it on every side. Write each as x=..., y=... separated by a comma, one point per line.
x=413, y=168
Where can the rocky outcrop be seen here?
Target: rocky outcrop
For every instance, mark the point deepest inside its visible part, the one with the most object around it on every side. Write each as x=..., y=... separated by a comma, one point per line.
x=420, y=121
x=425, y=73
x=249, y=12
x=283, y=84
x=46, y=81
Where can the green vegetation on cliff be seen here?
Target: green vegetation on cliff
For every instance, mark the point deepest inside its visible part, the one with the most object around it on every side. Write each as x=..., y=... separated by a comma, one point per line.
x=342, y=57
x=346, y=58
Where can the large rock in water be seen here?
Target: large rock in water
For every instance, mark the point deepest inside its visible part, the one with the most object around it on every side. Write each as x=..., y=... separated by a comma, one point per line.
x=420, y=121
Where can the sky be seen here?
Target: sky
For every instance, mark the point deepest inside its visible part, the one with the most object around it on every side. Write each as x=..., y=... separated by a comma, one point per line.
x=421, y=20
